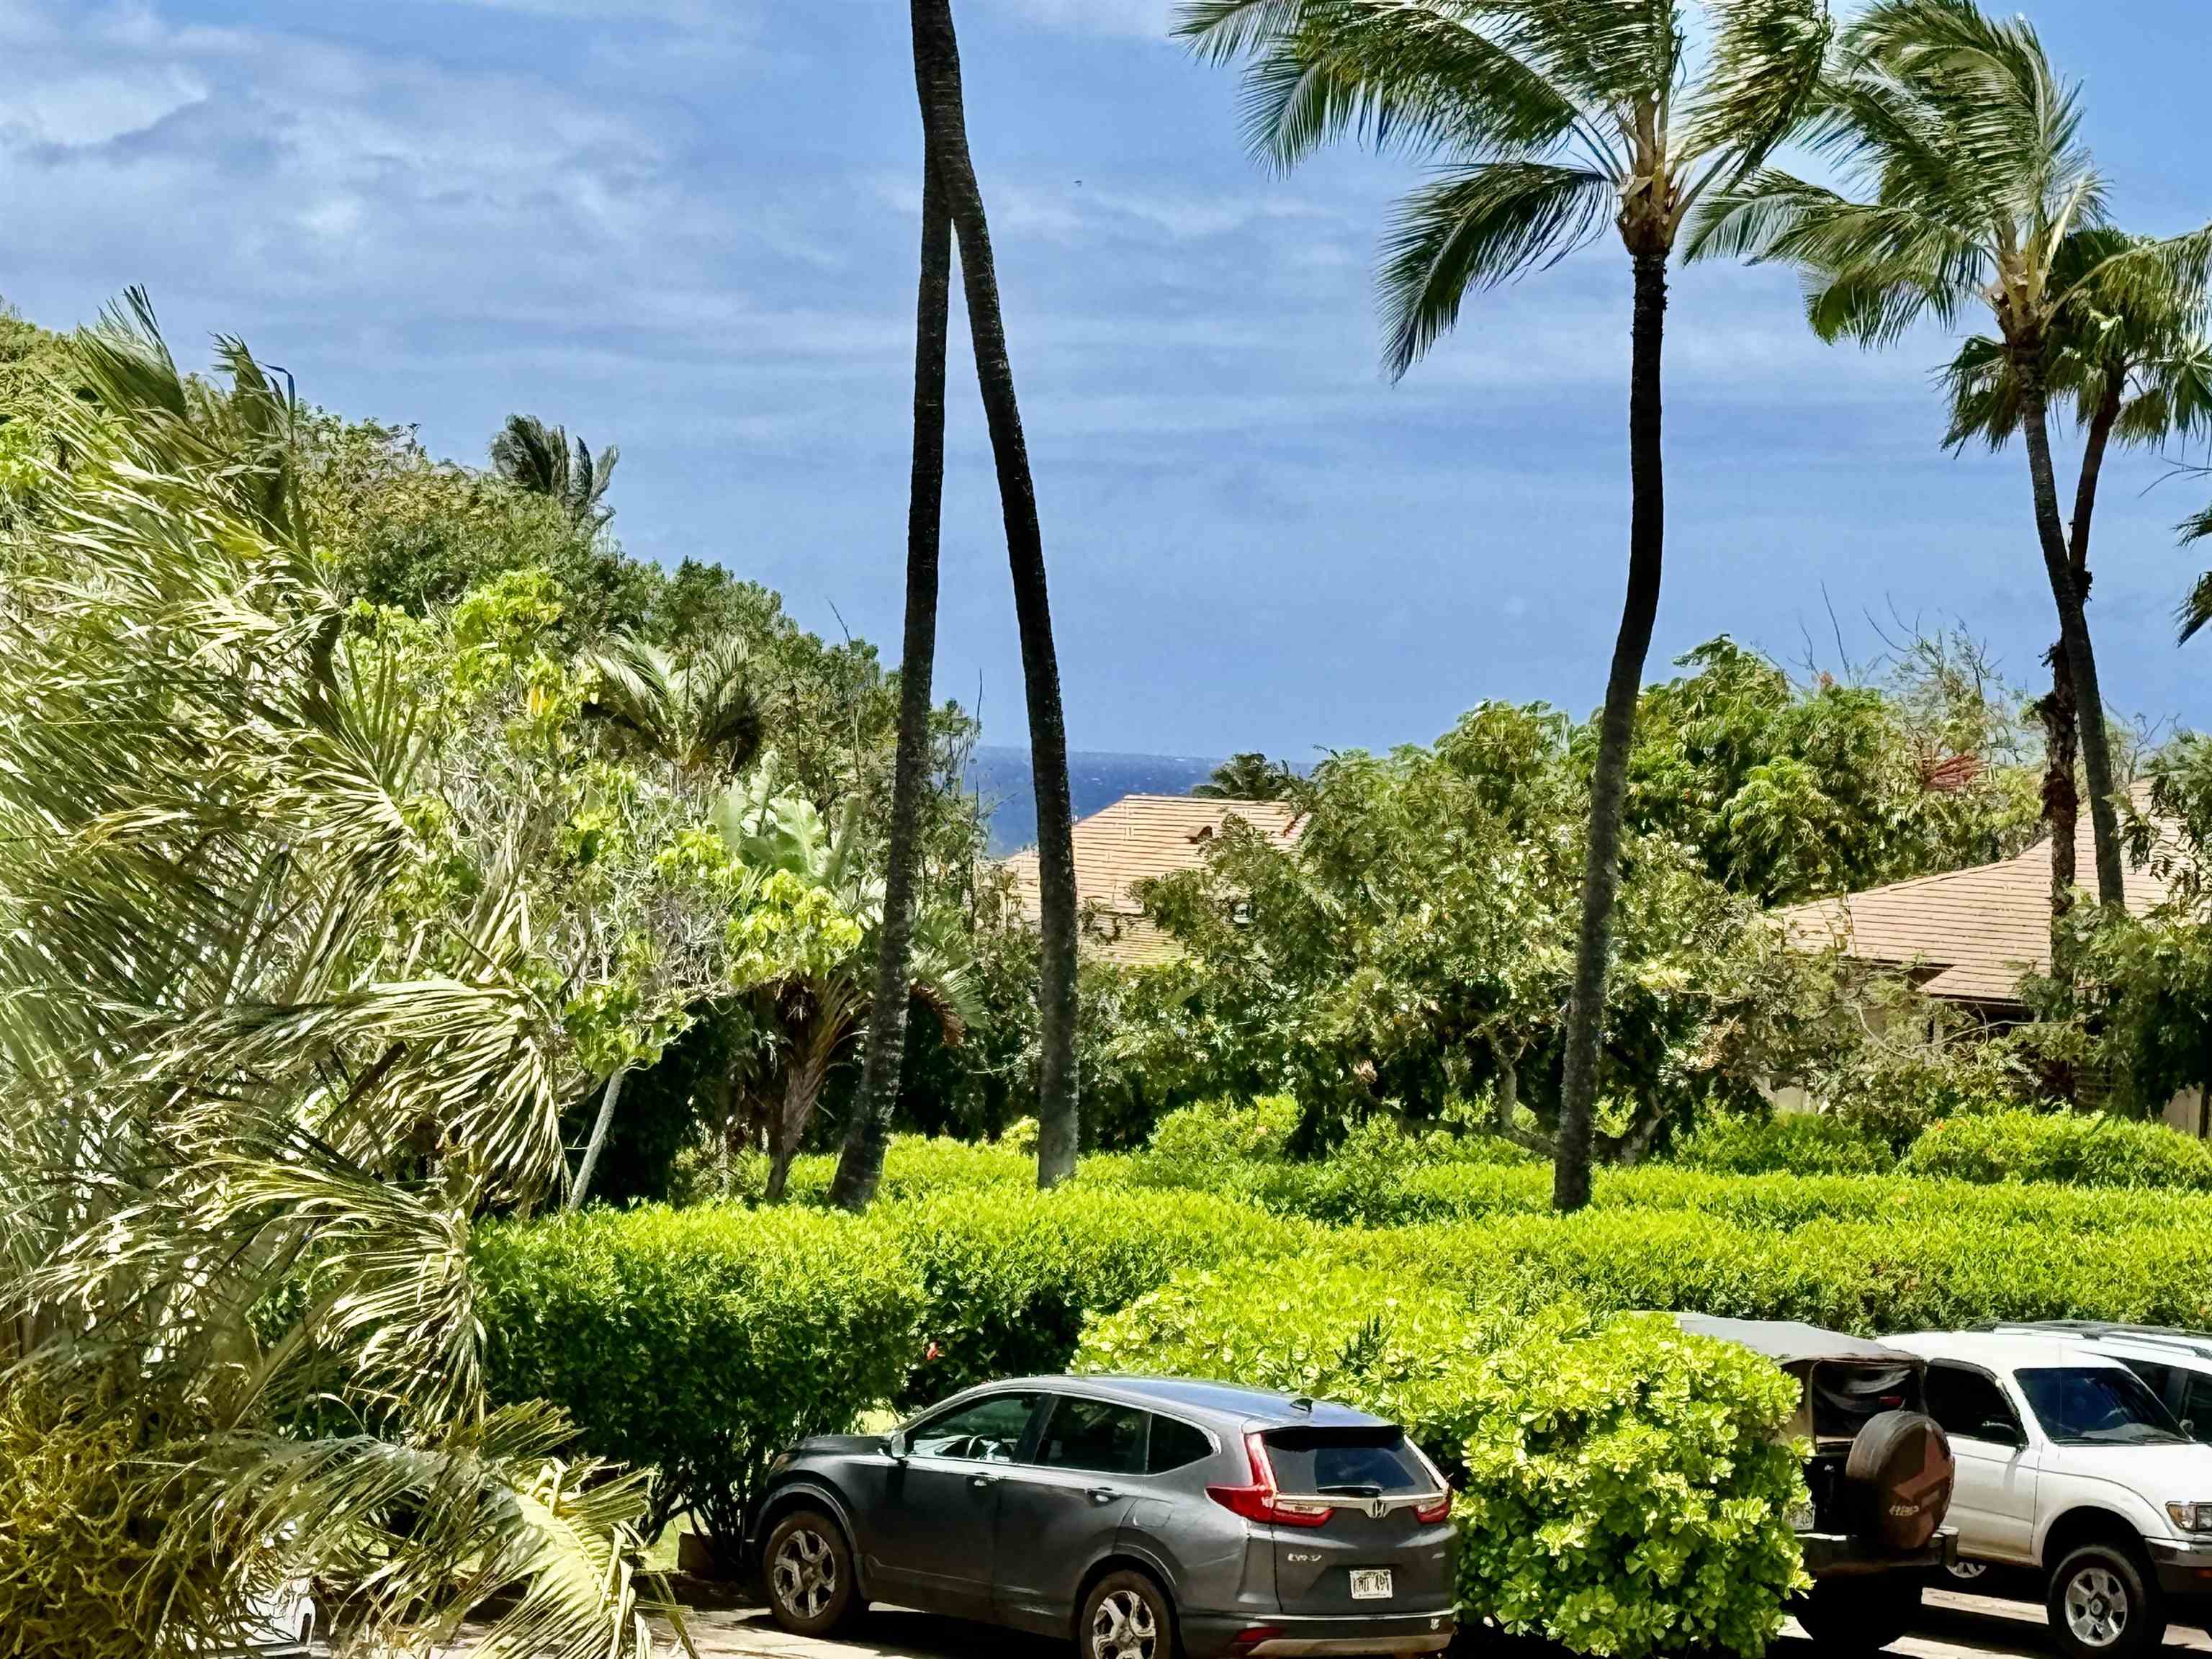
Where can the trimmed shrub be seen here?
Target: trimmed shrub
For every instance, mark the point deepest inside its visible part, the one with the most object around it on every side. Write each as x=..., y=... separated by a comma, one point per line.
x=1010, y=1276
x=2084, y=1149
x=1622, y=1490
x=699, y=1342
x=1217, y=1129
x=1871, y=1278
x=1794, y=1143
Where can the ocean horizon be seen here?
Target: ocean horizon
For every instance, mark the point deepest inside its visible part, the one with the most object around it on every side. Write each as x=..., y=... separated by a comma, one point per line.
x=1096, y=779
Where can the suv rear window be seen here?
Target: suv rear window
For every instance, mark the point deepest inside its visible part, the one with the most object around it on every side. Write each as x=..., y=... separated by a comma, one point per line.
x=1354, y=1462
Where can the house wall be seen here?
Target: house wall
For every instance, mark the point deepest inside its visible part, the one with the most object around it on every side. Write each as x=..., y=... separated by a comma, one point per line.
x=2186, y=1113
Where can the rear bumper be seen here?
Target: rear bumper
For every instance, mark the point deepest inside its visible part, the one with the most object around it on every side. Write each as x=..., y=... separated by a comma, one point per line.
x=1837, y=1555
x=2183, y=1570
x=1286, y=1637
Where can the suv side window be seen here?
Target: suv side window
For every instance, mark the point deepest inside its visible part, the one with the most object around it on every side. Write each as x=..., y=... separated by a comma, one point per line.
x=1968, y=1403
x=986, y=1430
x=1175, y=1444
x=2161, y=1380
x=1093, y=1434
x=2196, y=1406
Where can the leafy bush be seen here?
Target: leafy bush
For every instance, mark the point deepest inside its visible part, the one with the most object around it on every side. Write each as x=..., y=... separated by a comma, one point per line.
x=1010, y=1275
x=1621, y=1488
x=1217, y=1129
x=2088, y=1149
x=1794, y=1143
x=701, y=1341
x=1870, y=1277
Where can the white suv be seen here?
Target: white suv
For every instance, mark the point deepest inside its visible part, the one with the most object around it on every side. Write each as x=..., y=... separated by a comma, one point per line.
x=2069, y=1464
x=2178, y=1364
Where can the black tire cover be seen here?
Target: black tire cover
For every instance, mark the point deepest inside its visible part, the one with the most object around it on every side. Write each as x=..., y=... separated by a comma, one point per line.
x=1899, y=1479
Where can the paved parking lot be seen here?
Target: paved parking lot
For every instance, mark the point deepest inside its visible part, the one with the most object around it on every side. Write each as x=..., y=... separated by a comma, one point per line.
x=1954, y=1627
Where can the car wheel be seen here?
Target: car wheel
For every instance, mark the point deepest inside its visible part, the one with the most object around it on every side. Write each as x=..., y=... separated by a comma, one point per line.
x=1858, y=1614
x=808, y=1568
x=2103, y=1605
x=1126, y=1616
x=1968, y=1572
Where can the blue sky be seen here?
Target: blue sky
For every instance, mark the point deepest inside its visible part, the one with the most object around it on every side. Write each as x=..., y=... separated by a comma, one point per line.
x=687, y=227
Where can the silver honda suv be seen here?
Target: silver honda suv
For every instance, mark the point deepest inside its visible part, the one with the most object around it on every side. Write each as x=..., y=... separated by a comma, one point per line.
x=1141, y=1516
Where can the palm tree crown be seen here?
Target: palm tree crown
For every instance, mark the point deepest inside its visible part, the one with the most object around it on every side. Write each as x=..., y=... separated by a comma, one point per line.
x=540, y=458
x=1546, y=117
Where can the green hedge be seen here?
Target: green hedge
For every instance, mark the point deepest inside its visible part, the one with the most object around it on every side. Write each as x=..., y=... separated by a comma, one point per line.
x=2086, y=1150
x=1794, y=1143
x=1621, y=1490
x=1010, y=1275
x=701, y=1341
x=1869, y=1276
x=1396, y=1195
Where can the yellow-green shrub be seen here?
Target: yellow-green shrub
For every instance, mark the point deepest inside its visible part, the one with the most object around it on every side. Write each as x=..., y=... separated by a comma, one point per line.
x=699, y=1342
x=2083, y=1148
x=1010, y=1275
x=1621, y=1488
x=1793, y=1143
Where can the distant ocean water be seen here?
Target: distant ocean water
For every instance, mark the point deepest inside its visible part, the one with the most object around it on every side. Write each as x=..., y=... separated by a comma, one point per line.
x=1095, y=781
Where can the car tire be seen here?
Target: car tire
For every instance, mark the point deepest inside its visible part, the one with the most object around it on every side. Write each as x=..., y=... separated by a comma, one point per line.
x=806, y=1572
x=1859, y=1613
x=1126, y=1616
x=2103, y=1604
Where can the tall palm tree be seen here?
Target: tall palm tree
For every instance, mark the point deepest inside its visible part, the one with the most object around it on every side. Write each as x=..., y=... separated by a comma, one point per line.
x=540, y=458
x=1967, y=147
x=2133, y=368
x=945, y=121
x=1547, y=119
x=861, y=1164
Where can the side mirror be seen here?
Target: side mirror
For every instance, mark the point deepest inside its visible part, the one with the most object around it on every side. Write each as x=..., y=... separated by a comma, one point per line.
x=895, y=1443
x=2003, y=1433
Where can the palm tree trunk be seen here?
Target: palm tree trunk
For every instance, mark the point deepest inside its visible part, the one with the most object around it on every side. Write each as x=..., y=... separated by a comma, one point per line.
x=2074, y=635
x=861, y=1164
x=591, y=1148
x=936, y=73
x=2062, y=801
x=1647, y=537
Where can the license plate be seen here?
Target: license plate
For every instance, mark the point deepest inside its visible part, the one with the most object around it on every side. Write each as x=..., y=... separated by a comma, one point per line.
x=1372, y=1584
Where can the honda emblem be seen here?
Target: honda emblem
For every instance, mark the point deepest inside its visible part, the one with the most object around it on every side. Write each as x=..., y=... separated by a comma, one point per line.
x=1378, y=1507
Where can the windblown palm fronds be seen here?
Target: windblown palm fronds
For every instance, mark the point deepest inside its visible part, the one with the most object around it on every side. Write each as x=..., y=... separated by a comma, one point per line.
x=540, y=458
x=1544, y=120
x=242, y=1133
x=1968, y=188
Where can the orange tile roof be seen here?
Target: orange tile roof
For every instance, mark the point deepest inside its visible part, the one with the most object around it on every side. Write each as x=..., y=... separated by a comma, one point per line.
x=1136, y=839
x=1974, y=932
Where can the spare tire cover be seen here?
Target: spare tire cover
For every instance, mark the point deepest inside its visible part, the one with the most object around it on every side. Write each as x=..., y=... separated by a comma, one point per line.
x=1899, y=1479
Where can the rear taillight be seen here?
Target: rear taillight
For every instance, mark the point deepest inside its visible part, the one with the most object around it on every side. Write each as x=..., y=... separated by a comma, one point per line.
x=1429, y=1514
x=1249, y=1637
x=1260, y=1501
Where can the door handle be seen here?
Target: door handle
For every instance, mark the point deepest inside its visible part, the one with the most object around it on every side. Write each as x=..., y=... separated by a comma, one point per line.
x=1102, y=1494
x=982, y=1482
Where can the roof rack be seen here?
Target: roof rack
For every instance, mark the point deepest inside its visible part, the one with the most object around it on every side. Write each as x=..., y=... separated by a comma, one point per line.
x=2197, y=1343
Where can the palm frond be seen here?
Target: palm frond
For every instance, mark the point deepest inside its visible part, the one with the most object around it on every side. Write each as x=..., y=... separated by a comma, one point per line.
x=1476, y=230
x=1766, y=59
